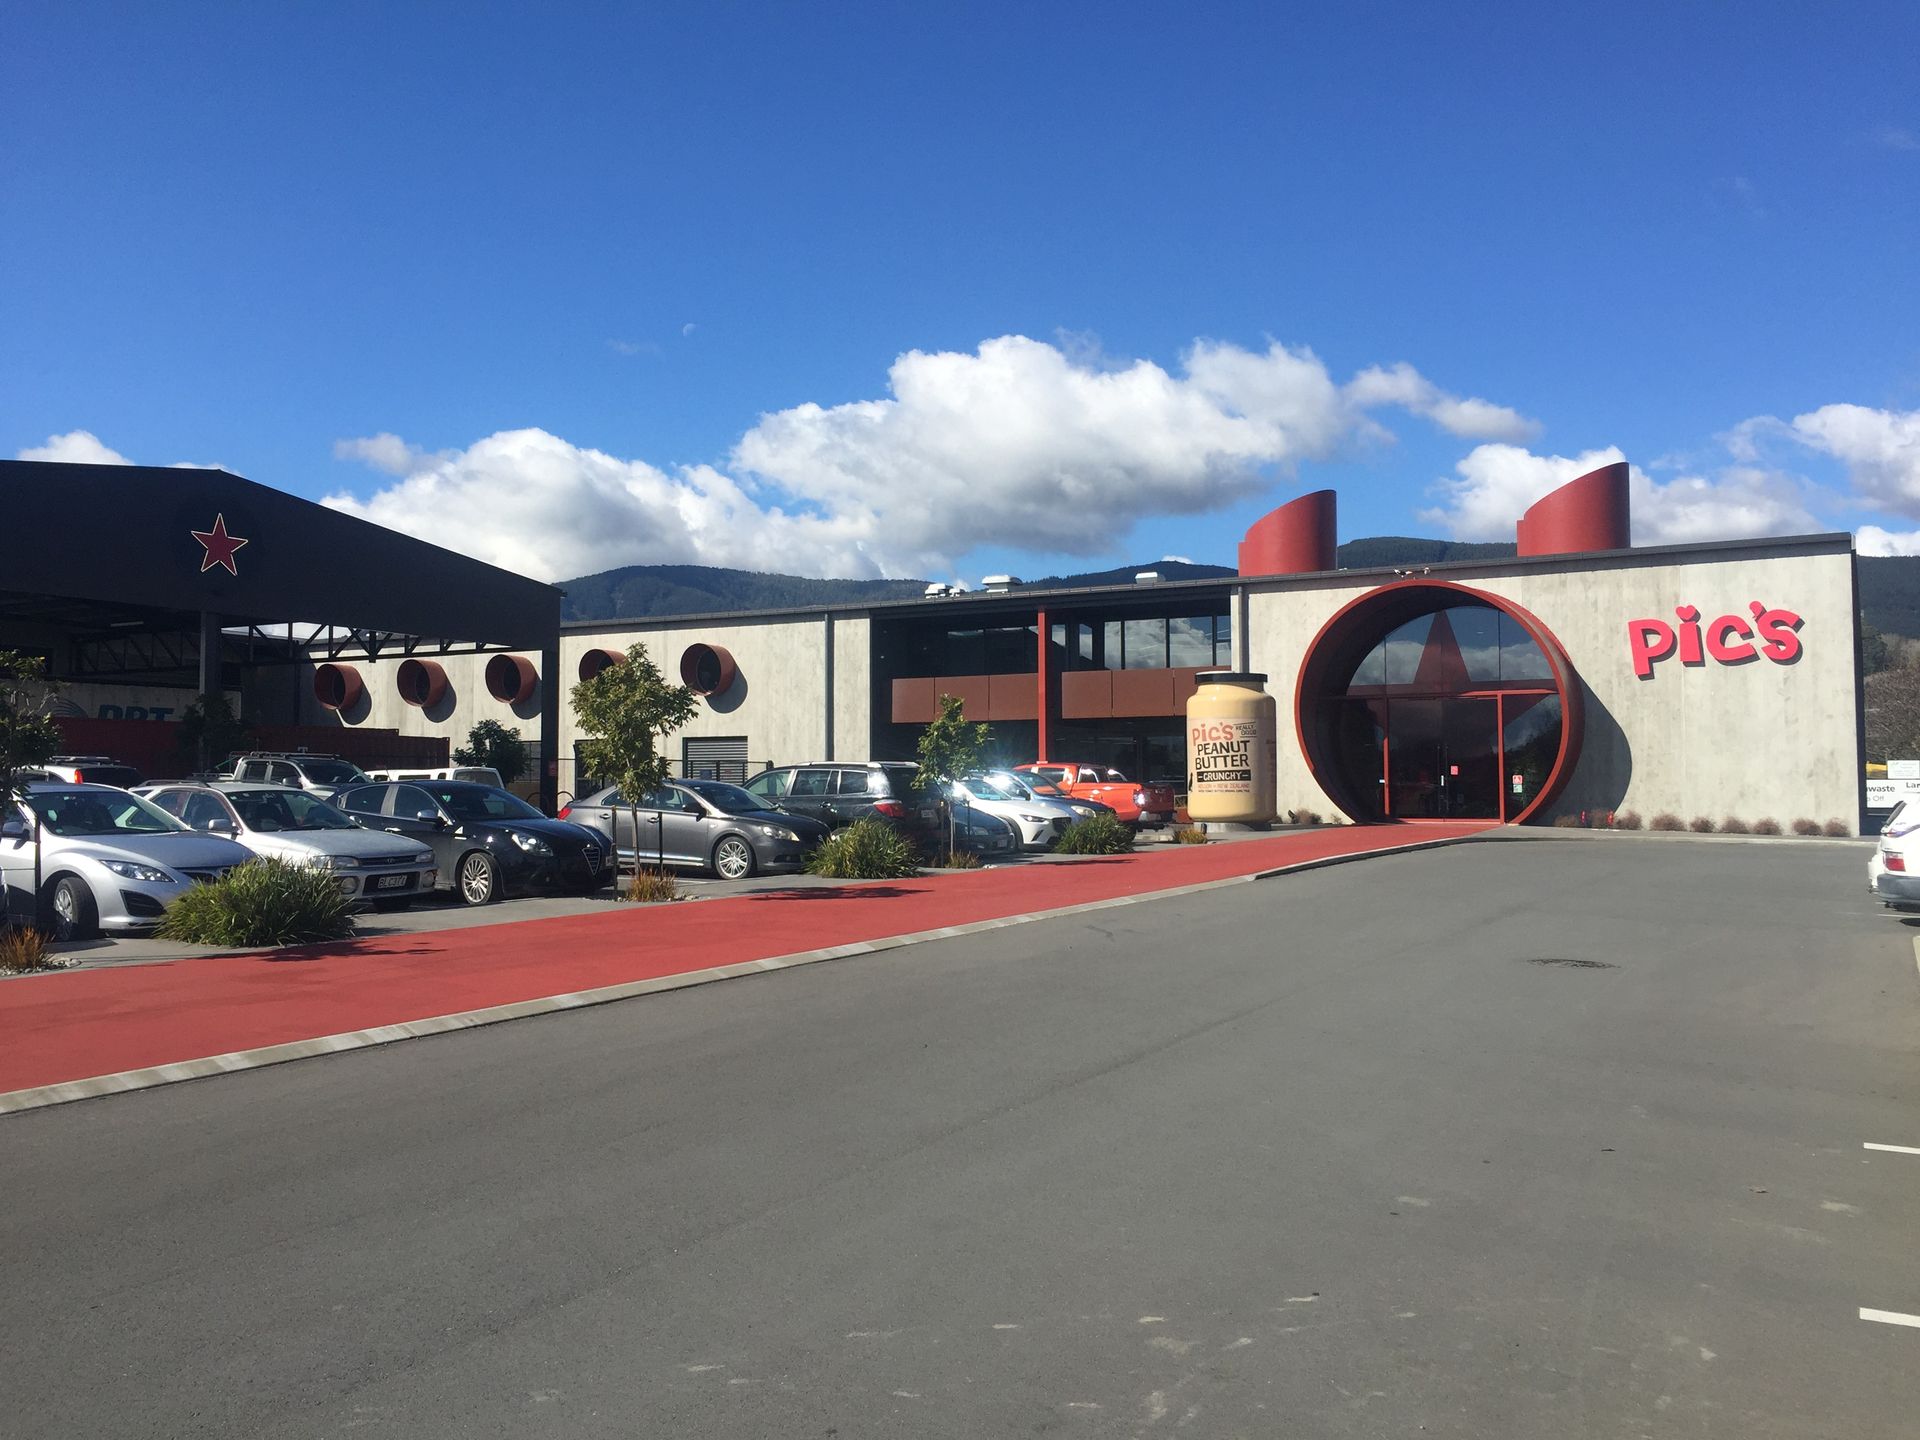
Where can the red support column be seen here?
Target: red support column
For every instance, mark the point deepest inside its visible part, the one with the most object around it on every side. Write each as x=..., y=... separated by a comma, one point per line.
x=1043, y=709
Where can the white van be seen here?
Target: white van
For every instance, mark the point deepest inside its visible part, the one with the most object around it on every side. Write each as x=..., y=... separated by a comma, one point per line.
x=474, y=774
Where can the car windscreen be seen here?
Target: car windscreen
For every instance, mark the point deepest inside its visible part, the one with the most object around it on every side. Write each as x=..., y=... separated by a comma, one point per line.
x=101, y=812
x=995, y=787
x=476, y=802
x=331, y=772
x=728, y=798
x=278, y=808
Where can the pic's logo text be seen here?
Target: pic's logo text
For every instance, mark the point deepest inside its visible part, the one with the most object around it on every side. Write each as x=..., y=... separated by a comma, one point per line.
x=1773, y=634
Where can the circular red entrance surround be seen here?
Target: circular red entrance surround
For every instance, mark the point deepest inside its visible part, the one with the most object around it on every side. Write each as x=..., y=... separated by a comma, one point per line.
x=511, y=678
x=337, y=687
x=1345, y=640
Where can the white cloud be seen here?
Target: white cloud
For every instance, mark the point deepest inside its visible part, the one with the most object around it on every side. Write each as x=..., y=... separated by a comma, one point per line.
x=1498, y=482
x=1880, y=448
x=1872, y=540
x=1019, y=445
x=76, y=447
x=1471, y=419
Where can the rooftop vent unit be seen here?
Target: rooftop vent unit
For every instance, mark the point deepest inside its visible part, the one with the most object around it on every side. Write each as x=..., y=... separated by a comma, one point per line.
x=1147, y=577
x=1000, y=584
x=936, y=588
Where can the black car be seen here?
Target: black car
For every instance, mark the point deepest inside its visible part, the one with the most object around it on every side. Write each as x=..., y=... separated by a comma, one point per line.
x=838, y=793
x=487, y=841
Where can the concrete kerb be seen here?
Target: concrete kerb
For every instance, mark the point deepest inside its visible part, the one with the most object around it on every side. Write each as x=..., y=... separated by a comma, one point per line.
x=148, y=1077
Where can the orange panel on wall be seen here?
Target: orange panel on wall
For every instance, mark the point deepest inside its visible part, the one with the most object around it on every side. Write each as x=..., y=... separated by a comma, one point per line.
x=1086, y=694
x=1013, y=697
x=912, y=702
x=1143, y=692
x=974, y=694
x=1184, y=685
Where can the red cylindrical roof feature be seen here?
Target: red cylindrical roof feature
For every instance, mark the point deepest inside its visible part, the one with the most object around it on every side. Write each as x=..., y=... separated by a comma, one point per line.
x=511, y=678
x=337, y=687
x=1593, y=512
x=1297, y=539
x=421, y=682
x=707, y=669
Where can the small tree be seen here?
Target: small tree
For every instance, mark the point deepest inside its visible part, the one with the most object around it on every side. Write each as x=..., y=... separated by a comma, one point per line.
x=949, y=748
x=625, y=711
x=210, y=731
x=28, y=738
x=492, y=744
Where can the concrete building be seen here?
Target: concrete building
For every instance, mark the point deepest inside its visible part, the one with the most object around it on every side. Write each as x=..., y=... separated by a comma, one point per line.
x=1580, y=675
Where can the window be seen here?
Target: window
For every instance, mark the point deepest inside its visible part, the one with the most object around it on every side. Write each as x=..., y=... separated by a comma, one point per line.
x=413, y=803
x=813, y=782
x=201, y=811
x=856, y=782
x=171, y=801
x=666, y=798
x=281, y=773
x=1146, y=642
x=771, y=785
x=1190, y=641
x=367, y=800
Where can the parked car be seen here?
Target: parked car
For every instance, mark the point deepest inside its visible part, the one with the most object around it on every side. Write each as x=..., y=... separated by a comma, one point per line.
x=388, y=872
x=1893, y=871
x=703, y=823
x=1037, y=823
x=86, y=770
x=976, y=830
x=841, y=792
x=485, y=841
x=472, y=774
x=1150, y=804
x=109, y=860
x=323, y=775
x=1031, y=786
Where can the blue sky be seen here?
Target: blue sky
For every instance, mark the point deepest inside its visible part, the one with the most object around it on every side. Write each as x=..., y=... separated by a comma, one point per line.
x=945, y=290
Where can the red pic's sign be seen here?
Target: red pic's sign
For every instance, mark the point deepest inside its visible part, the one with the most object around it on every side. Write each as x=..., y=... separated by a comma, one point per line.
x=1728, y=639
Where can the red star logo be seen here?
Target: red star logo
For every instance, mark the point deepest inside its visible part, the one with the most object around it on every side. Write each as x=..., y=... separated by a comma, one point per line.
x=220, y=546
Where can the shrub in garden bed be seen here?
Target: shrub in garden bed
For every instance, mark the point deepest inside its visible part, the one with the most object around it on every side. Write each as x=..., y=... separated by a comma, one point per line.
x=1838, y=829
x=1627, y=820
x=23, y=950
x=1190, y=835
x=1667, y=820
x=1701, y=825
x=650, y=887
x=1569, y=821
x=1096, y=835
x=868, y=849
x=1766, y=827
x=1734, y=825
x=1804, y=826
x=263, y=902
x=956, y=860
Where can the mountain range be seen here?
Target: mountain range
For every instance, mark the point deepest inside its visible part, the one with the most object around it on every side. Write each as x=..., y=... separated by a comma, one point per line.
x=1889, y=585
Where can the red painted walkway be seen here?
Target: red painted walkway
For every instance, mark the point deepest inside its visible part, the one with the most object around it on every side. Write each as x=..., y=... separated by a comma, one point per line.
x=73, y=1026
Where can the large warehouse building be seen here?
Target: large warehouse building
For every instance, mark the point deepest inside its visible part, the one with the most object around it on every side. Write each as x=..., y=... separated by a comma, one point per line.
x=1580, y=675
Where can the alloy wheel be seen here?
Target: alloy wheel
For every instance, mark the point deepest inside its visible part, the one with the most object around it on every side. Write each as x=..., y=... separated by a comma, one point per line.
x=733, y=859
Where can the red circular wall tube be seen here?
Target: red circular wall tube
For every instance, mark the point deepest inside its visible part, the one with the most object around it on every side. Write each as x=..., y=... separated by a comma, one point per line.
x=594, y=661
x=421, y=682
x=707, y=669
x=511, y=678
x=337, y=687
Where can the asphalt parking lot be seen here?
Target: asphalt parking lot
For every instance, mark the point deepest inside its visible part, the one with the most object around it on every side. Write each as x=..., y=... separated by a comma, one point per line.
x=1508, y=1139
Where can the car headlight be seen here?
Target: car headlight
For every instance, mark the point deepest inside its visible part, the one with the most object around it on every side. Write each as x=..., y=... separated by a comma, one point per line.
x=776, y=833
x=340, y=862
x=127, y=870
x=532, y=844
x=1034, y=819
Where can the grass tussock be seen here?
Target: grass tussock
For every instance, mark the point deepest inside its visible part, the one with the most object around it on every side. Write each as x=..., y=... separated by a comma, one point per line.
x=956, y=860
x=650, y=887
x=1190, y=835
x=23, y=951
x=1096, y=835
x=868, y=849
x=263, y=902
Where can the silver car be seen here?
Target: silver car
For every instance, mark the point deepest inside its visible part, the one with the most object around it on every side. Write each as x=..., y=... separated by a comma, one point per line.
x=1037, y=822
x=385, y=871
x=109, y=861
x=703, y=823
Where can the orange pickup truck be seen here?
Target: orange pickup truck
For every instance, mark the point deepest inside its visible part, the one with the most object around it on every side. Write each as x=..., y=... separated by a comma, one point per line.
x=1132, y=804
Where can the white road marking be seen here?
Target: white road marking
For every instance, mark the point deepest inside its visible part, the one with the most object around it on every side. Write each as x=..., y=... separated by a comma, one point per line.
x=1151, y=1320
x=1412, y=1200
x=1895, y=1149
x=1890, y=1317
x=1006, y=1327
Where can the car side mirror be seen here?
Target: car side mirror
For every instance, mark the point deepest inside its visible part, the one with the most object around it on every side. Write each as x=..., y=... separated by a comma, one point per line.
x=440, y=822
x=220, y=827
x=14, y=829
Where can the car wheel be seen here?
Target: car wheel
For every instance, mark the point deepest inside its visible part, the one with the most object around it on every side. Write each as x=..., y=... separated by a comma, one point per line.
x=75, y=916
x=733, y=859
x=479, y=878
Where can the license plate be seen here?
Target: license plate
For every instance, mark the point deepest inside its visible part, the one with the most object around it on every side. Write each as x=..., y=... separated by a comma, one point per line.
x=392, y=882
